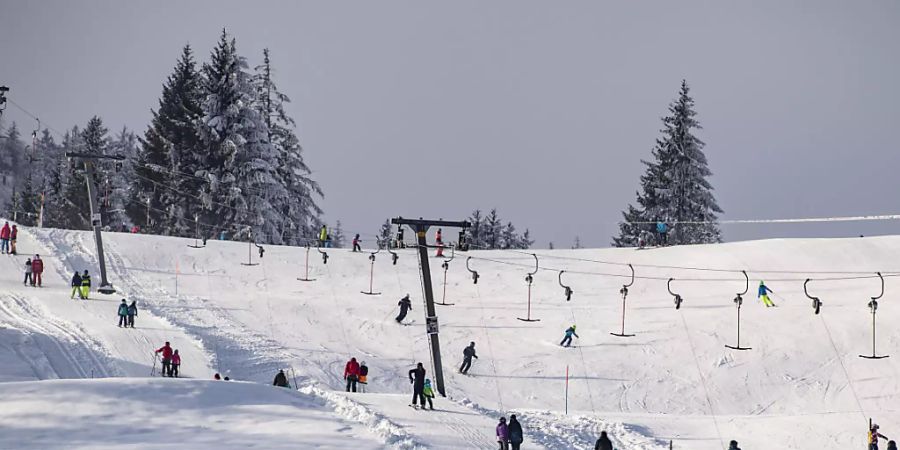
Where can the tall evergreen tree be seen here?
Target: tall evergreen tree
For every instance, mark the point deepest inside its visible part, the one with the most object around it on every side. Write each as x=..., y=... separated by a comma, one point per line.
x=384, y=234
x=674, y=187
x=492, y=230
x=337, y=236
x=119, y=175
x=475, y=232
x=299, y=206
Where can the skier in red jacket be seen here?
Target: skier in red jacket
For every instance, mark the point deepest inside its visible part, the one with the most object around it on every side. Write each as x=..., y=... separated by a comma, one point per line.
x=37, y=268
x=351, y=374
x=176, y=363
x=13, y=234
x=166, y=351
x=4, y=238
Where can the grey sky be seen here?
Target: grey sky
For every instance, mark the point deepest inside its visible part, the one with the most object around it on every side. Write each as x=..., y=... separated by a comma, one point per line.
x=542, y=109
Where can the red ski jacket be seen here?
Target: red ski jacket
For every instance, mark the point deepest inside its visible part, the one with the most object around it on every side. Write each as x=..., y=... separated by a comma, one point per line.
x=15, y=233
x=4, y=233
x=352, y=368
x=176, y=359
x=37, y=265
x=166, y=352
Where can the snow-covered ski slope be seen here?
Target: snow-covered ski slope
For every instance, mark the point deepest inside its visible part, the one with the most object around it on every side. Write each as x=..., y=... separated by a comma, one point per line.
x=801, y=386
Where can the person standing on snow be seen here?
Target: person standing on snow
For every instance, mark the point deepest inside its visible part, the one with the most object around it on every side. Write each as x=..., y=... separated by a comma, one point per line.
x=281, y=379
x=417, y=379
x=4, y=238
x=873, y=437
x=166, y=351
x=503, y=434
x=567, y=340
x=429, y=394
x=37, y=268
x=85, y=285
x=356, y=241
x=351, y=374
x=13, y=234
x=132, y=313
x=440, y=244
x=363, y=376
x=76, y=285
x=405, y=305
x=323, y=235
x=763, y=294
x=28, y=269
x=662, y=230
x=733, y=445
x=605, y=444
x=123, y=314
x=516, y=437
x=176, y=363
x=468, y=354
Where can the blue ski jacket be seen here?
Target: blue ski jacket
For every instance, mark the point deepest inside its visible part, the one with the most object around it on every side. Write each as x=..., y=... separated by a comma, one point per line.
x=661, y=227
x=763, y=290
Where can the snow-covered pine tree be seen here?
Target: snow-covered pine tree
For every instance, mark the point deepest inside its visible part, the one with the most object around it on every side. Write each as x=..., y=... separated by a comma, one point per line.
x=70, y=201
x=475, y=232
x=241, y=164
x=169, y=155
x=96, y=142
x=11, y=149
x=299, y=207
x=508, y=237
x=384, y=234
x=492, y=230
x=119, y=175
x=577, y=244
x=27, y=201
x=674, y=187
x=525, y=241
x=337, y=235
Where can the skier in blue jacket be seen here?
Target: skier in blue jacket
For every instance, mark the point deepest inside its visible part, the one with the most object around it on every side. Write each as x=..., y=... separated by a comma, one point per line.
x=567, y=341
x=763, y=294
x=662, y=229
x=123, y=314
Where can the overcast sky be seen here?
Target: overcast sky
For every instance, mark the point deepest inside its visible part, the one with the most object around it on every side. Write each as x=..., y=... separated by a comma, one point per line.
x=541, y=109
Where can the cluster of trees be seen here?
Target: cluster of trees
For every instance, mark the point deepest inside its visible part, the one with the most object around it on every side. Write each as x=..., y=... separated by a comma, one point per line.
x=674, y=188
x=219, y=156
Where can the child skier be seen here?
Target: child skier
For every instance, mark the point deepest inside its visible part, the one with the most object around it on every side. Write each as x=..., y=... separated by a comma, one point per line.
x=85, y=285
x=123, y=314
x=176, y=363
x=405, y=305
x=763, y=294
x=37, y=268
x=28, y=269
x=13, y=234
x=567, y=340
x=76, y=285
x=132, y=313
x=280, y=379
x=429, y=394
x=363, y=376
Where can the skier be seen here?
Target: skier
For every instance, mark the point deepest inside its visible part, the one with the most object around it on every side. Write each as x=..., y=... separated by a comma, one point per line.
x=405, y=305
x=892, y=445
x=28, y=269
x=261, y=250
x=76, y=285
x=417, y=379
x=166, y=351
x=733, y=445
x=516, y=437
x=763, y=294
x=323, y=235
x=429, y=394
x=123, y=314
x=363, y=376
x=132, y=313
x=567, y=341
x=468, y=354
x=604, y=443
x=85, y=285
x=176, y=363
x=356, y=241
x=351, y=374
x=37, y=268
x=281, y=379
x=440, y=244
x=217, y=377
x=13, y=234
x=873, y=437
x=662, y=229
x=4, y=238
x=503, y=434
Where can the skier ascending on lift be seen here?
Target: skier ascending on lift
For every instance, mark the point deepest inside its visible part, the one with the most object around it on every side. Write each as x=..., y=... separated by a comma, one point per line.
x=405, y=305
x=763, y=294
x=567, y=341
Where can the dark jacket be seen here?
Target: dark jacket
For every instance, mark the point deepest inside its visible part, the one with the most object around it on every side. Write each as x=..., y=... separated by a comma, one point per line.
x=417, y=377
x=469, y=353
x=603, y=444
x=132, y=309
x=123, y=309
x=405, y=304
x=515, y=432
x=76, y=280
x=280, y=380
x=86, y=280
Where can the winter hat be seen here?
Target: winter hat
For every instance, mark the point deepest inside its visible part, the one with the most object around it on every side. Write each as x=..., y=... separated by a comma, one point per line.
x=503, y=419
x=427, y=382
x=573, y=327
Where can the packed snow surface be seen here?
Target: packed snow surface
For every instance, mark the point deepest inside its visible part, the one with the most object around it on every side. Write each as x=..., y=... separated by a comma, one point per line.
x=801, y=386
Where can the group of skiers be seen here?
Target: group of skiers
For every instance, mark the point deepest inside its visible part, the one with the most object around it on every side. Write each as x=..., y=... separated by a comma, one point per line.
x=8, y=239
x=509, y=435
x=81, y=285
x=356, y=373
x=34, y=267
x=171, y=360
x=421, y=388
x=324, y=237
x=127, y=313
